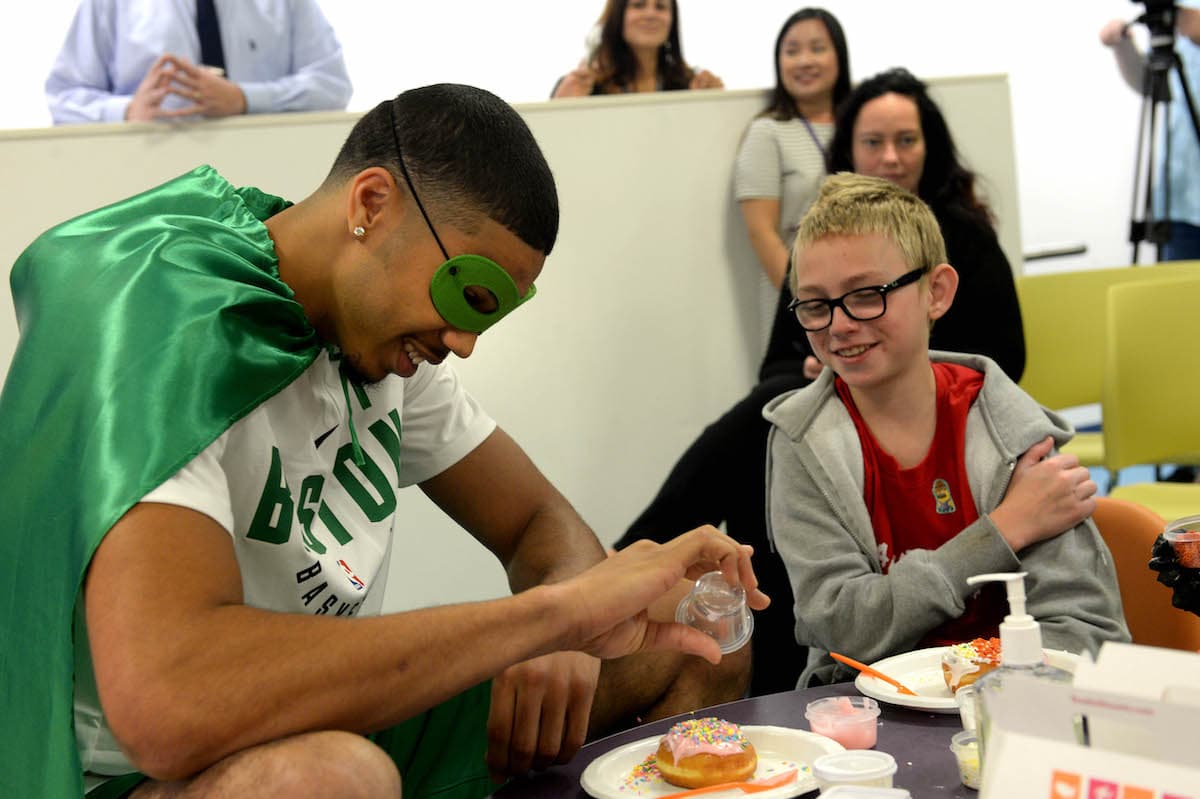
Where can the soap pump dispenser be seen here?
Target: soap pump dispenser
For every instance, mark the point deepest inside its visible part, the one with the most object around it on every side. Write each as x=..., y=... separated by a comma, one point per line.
x=1020, y=650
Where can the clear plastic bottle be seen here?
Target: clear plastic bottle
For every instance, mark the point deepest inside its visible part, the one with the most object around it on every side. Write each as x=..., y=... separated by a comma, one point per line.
x=1020, y=652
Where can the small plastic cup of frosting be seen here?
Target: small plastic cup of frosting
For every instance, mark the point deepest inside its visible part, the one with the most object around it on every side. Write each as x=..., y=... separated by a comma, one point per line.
x=965, y=746
x=1184, y=537
x=718, y=609
x=852, y=721
x=863, y=769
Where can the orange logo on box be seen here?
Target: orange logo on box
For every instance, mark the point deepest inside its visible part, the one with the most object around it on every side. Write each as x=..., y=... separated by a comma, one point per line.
x=1064, y=785
x=1130, y=792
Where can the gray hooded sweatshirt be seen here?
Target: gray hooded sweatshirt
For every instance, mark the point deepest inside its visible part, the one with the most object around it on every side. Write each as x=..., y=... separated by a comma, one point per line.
x=820, y=525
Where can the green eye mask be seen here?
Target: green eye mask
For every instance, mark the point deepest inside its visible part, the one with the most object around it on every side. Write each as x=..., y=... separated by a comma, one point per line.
x=473, y=293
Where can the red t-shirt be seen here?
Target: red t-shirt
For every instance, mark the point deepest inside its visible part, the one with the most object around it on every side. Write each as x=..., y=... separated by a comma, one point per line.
x=927, y=505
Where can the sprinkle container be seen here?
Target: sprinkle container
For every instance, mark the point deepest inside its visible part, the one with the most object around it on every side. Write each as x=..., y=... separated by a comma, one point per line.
x=1184, y=537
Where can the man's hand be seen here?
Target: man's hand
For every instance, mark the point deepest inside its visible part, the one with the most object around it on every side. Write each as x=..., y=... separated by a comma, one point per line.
x=540, y=711
x=1113, y=32
x=1048, y=495
x=210, y=93
x=812, y=367
x=146, y=105
x=605, y=606
x=207, y=93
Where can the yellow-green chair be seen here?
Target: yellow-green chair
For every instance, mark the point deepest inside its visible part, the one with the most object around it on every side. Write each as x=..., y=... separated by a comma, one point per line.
x=1064, y=320
x=1150, y=398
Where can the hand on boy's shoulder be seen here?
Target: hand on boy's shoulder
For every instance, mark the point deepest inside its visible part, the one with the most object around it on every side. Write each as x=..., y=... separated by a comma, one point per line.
x=1048, y=495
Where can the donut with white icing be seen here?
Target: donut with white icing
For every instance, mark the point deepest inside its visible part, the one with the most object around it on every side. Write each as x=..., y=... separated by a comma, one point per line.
x=963, y=664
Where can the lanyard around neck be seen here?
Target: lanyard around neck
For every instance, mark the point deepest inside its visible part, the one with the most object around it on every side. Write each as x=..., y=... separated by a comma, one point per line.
x=821, y=147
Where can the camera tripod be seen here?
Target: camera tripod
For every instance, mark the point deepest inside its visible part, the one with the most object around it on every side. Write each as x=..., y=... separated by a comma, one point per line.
x=1156, y=97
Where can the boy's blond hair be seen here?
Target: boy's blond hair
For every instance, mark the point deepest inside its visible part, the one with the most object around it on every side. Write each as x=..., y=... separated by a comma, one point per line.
x=857, y=205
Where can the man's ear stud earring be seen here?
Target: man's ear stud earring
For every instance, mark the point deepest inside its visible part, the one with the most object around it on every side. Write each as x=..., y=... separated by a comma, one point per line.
x=359, y=231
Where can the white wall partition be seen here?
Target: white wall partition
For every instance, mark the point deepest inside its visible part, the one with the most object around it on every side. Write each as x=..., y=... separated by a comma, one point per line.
x=1074, y=120
x=650, y=316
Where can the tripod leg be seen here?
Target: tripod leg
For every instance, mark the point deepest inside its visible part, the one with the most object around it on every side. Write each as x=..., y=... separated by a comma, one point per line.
x=1142, y=229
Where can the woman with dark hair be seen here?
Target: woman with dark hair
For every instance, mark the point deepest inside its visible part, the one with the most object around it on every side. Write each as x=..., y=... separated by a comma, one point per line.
x=888, y=127
x=638, y=51
x=891, y=128
x=781, y=161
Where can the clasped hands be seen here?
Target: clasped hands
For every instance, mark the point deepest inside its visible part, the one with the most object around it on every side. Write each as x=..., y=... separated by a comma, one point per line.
x=580, y=81
x=206, y=92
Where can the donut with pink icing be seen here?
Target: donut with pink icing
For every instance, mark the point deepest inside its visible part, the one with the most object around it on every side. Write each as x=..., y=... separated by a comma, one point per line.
x=700, y=752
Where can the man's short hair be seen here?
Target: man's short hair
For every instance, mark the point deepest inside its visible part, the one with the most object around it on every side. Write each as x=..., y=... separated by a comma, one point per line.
x=469, y=154
x=857, y=205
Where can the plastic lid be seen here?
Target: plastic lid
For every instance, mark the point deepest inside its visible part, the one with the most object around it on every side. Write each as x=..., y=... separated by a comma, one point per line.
x=964, y=739
x=854, y=764
x=1184, y=529
x=864, y=792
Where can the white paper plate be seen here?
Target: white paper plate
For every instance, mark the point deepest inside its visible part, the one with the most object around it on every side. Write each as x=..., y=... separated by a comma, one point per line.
x=779, y=749
x=922, y=672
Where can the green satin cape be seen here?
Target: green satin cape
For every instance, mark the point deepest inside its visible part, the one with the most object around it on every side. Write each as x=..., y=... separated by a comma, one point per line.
x=146, y=329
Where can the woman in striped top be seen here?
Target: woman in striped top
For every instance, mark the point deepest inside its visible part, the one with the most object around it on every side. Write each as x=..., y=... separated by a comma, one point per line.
x=781, y=161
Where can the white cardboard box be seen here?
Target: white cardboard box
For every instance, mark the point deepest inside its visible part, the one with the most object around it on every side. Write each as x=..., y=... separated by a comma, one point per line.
x=1142, y=711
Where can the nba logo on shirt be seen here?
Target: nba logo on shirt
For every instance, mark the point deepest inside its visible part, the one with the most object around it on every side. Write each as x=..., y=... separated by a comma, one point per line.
x=941, y=495
x=354, y=578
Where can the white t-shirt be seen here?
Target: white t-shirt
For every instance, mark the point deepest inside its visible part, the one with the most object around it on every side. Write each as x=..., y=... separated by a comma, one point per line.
x=310, y=526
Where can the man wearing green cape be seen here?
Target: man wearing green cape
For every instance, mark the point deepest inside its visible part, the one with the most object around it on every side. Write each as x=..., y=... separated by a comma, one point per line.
x=215, y=396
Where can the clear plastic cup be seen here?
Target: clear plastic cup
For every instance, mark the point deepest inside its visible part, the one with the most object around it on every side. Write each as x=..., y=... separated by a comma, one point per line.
x=869, y=769
x=1184, y=537
x=852, y=721
x=965, y=746
x=966, y=698
x=719, y=609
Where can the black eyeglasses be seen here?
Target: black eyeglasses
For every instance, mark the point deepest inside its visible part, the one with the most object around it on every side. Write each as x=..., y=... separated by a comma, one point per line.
x=861, y=305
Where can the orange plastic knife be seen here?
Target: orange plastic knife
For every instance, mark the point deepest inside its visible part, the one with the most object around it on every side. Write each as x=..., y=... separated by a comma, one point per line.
x=879, y=675
x=753, y=786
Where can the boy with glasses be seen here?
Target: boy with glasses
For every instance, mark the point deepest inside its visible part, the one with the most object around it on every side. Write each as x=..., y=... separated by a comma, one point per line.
x=900, y=472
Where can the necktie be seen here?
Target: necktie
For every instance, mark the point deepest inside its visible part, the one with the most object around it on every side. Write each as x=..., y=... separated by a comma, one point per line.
x=211, y=51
